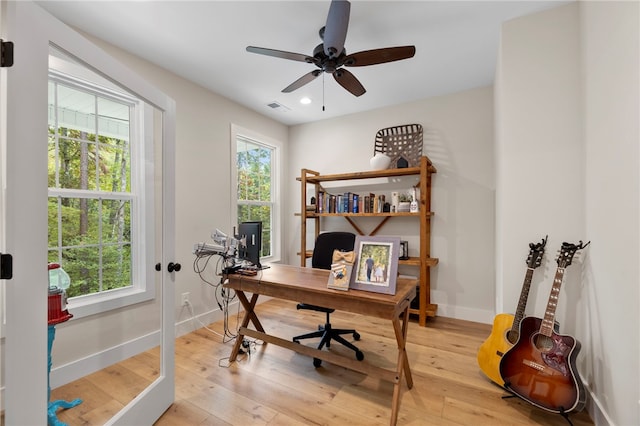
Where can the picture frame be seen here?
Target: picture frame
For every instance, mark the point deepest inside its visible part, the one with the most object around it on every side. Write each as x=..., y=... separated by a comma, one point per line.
x=376, y=265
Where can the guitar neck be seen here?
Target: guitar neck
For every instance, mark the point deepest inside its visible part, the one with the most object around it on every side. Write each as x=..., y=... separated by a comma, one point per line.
x=522, y=302
x=546, y=327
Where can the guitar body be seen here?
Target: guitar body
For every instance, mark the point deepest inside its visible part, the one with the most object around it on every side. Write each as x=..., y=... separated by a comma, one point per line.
x=541, y=369
x=497, y=344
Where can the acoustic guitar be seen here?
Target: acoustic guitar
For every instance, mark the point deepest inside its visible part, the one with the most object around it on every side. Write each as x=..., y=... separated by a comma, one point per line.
x=541, y=367
x=506, y=327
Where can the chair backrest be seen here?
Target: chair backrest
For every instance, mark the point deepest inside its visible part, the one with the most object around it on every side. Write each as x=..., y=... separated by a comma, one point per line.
x=326, y=243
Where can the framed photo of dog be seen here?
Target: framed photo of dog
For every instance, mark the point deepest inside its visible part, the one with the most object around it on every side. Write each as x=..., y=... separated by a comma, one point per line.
x=376, y=265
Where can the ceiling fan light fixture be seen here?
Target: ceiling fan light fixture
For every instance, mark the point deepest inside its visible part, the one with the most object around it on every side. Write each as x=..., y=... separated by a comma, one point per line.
x=305, y=100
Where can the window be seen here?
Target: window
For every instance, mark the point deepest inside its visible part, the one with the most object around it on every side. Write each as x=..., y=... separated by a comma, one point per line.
x=256, y=175
x=96, y=193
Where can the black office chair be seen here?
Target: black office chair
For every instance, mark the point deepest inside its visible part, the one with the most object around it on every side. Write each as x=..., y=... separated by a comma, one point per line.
x=322, y=258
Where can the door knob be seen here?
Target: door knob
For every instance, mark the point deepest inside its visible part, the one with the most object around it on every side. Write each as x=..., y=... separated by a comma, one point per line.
x=174, y=267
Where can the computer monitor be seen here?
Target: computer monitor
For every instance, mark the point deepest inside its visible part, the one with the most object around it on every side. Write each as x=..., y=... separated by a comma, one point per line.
x=251, y=233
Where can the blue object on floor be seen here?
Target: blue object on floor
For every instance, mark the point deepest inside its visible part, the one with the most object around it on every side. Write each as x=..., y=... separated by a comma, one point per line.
x=52, y=418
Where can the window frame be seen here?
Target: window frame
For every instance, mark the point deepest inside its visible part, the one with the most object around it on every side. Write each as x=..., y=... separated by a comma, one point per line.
x=141, y=194
x=276, y=185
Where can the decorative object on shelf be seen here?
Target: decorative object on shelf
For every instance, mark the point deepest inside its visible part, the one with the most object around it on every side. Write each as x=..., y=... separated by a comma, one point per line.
x=404, y=203
x=404, y=250
x=379, y=161
x=376, y=264
x=402, y=163
x=395, y=200
x=311, y=207
x=403, y=141
x=413, y=207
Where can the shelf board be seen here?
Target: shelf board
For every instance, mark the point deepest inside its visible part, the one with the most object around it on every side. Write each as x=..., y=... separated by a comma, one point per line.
x=307, y=254
x=431, y=310
x=386, y=214
x=409, y=171
x=415, y=261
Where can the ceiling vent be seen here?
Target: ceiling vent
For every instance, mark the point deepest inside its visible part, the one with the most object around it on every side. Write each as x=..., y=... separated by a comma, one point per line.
x=278, y=106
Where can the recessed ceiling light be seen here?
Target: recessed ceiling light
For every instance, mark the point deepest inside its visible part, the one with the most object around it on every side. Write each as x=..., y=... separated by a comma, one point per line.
x=305, y=101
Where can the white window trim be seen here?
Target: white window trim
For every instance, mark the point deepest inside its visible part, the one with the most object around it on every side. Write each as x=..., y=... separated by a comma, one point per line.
x=143, y=202
x=276, y=184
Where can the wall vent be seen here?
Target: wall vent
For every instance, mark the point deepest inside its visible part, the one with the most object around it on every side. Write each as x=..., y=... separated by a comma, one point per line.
x=278, y=106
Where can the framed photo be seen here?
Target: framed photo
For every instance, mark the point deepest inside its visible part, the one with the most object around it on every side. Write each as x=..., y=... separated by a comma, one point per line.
x=376, y=267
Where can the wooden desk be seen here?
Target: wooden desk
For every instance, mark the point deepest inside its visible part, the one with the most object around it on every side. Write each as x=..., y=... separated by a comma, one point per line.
x=307, y=285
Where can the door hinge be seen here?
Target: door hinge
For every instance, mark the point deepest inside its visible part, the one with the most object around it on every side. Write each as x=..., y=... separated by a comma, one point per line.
x=6, y=266
x=6, y=53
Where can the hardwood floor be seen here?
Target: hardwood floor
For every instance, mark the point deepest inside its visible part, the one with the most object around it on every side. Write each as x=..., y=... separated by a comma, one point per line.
x=274, y=386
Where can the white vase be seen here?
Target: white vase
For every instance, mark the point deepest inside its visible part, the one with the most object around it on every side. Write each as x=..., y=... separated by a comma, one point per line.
x=379, y=161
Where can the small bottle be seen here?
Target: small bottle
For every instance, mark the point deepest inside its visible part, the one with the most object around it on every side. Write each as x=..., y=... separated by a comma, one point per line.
x=413, y=208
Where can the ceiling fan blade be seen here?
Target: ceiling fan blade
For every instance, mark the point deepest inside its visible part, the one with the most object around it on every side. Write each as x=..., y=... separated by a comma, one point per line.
x=379, y=56
x=307, y=78
x=335, y=30
x=349, y=82
x=281, y=54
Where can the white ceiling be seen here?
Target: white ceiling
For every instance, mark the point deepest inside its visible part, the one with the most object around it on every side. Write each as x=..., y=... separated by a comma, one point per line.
x=204, y=41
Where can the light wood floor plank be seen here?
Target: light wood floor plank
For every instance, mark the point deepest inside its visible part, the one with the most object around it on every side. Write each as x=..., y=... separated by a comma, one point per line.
x=276, y=387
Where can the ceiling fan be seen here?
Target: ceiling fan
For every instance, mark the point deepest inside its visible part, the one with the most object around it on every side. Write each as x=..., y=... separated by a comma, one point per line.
x=330, y=55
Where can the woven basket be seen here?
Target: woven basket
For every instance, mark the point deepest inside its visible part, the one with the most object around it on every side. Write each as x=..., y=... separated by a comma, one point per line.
x=400, y=141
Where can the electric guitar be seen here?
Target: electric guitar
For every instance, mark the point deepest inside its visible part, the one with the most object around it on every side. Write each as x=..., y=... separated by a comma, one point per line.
x=506, y=327
x=541, y=367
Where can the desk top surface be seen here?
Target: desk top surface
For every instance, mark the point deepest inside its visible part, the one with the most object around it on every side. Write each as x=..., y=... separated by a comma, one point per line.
x=309, y=285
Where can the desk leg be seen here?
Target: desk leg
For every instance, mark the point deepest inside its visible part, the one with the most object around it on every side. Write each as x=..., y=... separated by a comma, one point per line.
x=249, y=308
x=402, y=365
x=249, y=315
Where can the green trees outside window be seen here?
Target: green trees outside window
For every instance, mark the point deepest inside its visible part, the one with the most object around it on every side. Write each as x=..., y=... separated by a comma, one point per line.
x=254, y=163
x=90, y=198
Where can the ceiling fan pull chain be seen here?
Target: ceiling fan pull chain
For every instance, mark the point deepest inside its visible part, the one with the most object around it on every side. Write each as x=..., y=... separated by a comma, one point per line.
x=322, y=92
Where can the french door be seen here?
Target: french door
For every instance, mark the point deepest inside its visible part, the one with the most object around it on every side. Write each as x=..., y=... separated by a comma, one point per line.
x=23, y=222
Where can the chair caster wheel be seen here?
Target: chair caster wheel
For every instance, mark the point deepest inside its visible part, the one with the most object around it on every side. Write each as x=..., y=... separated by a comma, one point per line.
x=359, y=355
x=318, y=362
x=356, y=336
x=296, y=341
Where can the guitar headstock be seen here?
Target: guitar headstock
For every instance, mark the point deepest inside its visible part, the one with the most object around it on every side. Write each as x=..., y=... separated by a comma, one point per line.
x=567, y=251
x=536, y=251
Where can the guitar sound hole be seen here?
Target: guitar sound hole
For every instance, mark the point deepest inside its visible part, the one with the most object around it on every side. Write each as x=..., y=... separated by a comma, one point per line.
x=543, y=343
x=512, y=336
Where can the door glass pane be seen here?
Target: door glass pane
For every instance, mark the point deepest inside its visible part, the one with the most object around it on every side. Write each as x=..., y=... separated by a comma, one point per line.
x=105, y=229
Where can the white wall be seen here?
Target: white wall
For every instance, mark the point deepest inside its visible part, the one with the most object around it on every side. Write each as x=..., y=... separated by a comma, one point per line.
x=458, y=137
x=203, y=173
x=567, y=165
x=609, y=314
x=539, y=155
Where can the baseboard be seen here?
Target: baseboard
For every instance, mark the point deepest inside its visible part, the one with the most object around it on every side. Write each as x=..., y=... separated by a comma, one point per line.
x=63, y=374
x=186, y=323
x=467, y=314
x=596, y=411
